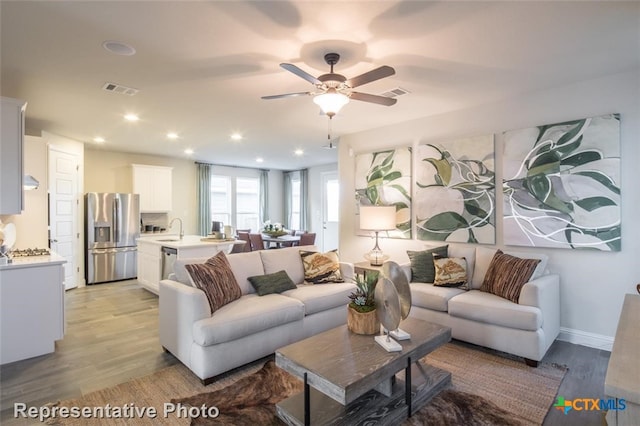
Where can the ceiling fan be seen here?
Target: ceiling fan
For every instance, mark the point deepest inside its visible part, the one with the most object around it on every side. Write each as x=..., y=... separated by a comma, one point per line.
x=333, y=91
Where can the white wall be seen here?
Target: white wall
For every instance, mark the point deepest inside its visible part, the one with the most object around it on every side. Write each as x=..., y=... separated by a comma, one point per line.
x=32, y=224
x=593, y=284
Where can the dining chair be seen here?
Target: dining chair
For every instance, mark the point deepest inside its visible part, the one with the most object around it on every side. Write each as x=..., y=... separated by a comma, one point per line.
x=308, y=239
x=246, y=231
x=256, y=242
x=244, y=236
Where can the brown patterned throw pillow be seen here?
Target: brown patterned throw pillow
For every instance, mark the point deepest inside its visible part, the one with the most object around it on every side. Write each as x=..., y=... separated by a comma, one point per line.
x=450, y=271
x=216, y=279
x=507, y=274
x=321, y=268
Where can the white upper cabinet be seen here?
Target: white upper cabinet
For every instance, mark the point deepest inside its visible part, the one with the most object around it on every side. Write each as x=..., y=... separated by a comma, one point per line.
x=11, y=156
x=154, y=184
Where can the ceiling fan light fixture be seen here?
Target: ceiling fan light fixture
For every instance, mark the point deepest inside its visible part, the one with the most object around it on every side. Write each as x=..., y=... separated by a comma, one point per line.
x=331, y=102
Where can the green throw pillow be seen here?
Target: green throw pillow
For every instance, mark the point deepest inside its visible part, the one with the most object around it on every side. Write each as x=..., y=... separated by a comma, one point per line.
x=272, y=283
x=422, y=269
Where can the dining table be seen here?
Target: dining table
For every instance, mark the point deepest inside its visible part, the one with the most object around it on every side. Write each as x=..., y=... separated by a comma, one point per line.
x=279, y=241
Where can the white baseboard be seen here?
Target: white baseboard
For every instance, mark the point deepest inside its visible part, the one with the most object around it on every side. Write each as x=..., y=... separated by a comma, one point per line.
x=584, y=338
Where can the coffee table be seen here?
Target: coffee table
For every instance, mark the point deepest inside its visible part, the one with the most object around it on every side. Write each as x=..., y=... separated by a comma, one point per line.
x=349, y=379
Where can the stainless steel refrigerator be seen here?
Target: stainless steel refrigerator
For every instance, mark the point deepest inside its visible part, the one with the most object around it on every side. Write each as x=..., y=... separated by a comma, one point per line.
x=113, y=227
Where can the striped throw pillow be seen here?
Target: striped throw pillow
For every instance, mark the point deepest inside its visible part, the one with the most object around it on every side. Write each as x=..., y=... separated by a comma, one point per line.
x=216, y=279
x=507, y=274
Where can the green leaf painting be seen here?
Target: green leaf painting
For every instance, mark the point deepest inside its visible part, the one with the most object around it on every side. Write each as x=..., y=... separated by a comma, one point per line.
x=455, y=191
x=383, y=178
x=561, y=185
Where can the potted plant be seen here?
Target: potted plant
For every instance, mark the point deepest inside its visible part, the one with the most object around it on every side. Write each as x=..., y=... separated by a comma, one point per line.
x=273, y=229
x=362, y=317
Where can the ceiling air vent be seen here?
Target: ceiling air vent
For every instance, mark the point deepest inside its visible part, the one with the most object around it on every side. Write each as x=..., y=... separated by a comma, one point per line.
x=394, y=93
x=119, y=88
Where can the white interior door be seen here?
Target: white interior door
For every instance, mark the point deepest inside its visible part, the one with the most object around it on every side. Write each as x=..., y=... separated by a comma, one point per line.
x=64, y=205
x=330, y=211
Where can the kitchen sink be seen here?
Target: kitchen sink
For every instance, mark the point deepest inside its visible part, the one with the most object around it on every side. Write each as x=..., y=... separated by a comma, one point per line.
x=168, y=239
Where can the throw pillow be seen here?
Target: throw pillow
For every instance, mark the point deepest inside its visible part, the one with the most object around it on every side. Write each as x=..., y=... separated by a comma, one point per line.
x=216, y=279
x=507, y=274
x=321, y=268
x=272, y=283
x=422, y=270
x=450, y=271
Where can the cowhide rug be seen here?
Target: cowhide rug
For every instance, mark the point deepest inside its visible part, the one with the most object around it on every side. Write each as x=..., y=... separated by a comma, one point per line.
x=251, y=401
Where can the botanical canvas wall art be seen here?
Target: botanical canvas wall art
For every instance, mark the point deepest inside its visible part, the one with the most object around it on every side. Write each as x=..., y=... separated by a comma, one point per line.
x=561, y=185
x=383, y=178
x=454, y=198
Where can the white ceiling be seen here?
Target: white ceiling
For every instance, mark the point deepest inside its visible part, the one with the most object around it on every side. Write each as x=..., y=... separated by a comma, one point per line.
x=201, y=67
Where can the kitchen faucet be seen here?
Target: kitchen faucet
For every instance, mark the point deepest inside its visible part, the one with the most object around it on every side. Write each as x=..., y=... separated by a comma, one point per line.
x=180, y=220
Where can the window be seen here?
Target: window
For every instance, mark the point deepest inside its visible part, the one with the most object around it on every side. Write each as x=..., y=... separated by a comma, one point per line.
x=295, y=204
x=235, y=201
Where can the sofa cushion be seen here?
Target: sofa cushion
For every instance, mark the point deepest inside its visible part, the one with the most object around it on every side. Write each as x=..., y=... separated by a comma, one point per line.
x=245, y=265
x=422, y=270
x=431, y=297
x=215, y=278
x=484, y=255
x=180, y=272
x=507, y=274
x=318, y=298
x=272, y=283
x=491, y=309
x=248, y=315
x=468, y=252
x=321, y=268
x=450, y=272
x=287, y=259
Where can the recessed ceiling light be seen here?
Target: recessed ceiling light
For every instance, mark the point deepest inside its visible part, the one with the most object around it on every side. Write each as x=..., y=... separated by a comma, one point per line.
x=298, y=152
x=118, y=48
x=172, y=135
x=131, y=117
x=98, y=139
x=188, y=151
x=236, y=136
x=259, y=160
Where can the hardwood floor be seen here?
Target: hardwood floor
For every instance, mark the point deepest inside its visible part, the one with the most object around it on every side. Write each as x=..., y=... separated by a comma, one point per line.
x=112, y=337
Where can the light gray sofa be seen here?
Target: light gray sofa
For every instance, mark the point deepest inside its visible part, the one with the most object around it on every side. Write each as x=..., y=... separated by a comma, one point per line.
x=527, y=328
x=253, y=326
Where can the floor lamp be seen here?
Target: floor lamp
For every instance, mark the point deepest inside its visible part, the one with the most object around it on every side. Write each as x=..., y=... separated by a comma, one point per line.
x=377, y=218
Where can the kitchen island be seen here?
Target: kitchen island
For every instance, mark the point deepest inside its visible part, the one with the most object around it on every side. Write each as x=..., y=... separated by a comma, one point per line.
x=152, y=257
x=31, y=306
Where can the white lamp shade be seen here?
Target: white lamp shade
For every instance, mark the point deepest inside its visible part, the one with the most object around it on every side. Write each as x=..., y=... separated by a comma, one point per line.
x=377, y=218
x=331, y=102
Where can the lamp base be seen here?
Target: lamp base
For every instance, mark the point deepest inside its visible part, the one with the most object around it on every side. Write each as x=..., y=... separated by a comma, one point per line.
x=388, y=345
x=376, y=257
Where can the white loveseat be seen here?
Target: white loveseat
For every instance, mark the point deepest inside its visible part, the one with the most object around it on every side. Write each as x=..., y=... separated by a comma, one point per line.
x=527, y=328
x=253, y=326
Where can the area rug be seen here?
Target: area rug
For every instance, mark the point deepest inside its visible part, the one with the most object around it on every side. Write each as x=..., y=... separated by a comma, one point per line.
x=487, y=389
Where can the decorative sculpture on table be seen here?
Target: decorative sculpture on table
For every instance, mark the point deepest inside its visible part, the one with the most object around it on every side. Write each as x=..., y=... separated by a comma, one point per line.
x=393, y=303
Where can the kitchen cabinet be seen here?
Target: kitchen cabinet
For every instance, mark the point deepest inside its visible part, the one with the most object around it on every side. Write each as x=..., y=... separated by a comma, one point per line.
x=149, y=265
x=11, y=156
x=154, y=184
x=31, y=306
x=191, y=246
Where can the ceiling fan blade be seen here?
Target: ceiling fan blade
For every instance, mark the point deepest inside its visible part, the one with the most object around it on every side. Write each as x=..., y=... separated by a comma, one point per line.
x=300, y=73
x=375, y=99
x=373, y=75
x=287, y=95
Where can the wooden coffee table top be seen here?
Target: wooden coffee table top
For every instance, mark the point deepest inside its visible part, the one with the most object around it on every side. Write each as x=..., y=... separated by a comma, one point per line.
x=344, y=365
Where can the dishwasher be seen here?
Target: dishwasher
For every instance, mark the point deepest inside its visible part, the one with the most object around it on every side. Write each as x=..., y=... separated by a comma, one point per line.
x=169, y=256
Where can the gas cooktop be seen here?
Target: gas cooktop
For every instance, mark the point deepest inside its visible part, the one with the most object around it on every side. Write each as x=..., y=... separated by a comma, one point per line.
x=30, y=252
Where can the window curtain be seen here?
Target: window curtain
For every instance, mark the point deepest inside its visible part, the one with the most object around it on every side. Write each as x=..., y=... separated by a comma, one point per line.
x=204, y=198
x=305, y=220
x=264, y=197
x=288, y=199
